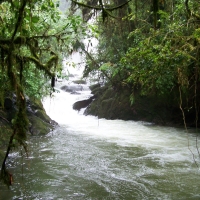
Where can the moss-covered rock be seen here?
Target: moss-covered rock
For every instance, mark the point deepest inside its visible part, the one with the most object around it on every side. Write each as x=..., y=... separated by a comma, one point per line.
x=39, y=122
x=39, y=127
x=111, y=103
x=43, y=116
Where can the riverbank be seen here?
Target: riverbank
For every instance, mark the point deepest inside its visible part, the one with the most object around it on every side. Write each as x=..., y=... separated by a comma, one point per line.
x=114, y=103
x=39, y=122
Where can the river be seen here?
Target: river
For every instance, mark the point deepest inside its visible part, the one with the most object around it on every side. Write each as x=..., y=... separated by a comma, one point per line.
x=96, y=159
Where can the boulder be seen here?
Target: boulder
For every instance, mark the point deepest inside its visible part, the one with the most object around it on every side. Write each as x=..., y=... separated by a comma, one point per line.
x=37, y=126
x=39, y=122
x=72, y=88
x=111, y=103
x=79, y=82
x=82, y=104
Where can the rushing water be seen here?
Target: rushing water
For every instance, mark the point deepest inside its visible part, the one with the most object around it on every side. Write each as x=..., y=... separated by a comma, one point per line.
x=98, y=159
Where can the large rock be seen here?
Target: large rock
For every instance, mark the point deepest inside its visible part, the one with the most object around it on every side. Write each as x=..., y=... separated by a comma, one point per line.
x=72, y=88
x=82, y=104
x=112, y=103
x=38, y=126
x=39, y=122
x=109, y=104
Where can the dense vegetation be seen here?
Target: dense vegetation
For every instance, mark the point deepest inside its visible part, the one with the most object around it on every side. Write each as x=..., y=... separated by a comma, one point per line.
x=34, y=38
x=150, y=49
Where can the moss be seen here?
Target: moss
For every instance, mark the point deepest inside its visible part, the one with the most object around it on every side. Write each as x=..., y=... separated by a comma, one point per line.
x=95, y=86
x=35, y=103
x=108, y=93
x=42, y=115
x=38, y=126
x=105, y=108
x=5, y=133
x=40, y=122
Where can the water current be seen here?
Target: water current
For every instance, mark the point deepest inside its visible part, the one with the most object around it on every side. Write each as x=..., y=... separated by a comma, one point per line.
x=87, y=158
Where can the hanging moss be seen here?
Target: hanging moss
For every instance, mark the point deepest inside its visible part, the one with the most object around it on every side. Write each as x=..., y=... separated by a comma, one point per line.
x=13, y=65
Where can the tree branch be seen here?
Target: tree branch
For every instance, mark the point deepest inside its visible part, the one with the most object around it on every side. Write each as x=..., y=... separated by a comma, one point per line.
x=44, y=67
x=189, y=13
x=105, y=9
x=20, y=18
x=87, y=6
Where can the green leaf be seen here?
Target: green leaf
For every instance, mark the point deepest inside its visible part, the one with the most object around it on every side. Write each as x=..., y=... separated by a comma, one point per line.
x=16, y=4
x=105, y=67
x=197, y=33
x=35, y=19
x=25, y=32
x=44, y=7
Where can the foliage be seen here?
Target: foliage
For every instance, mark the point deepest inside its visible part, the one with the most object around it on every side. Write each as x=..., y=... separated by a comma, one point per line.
x=111, y=36
x=152, y=47
x=34, y=37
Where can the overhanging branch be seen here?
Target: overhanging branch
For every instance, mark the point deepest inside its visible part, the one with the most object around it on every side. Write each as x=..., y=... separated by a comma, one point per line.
x=45, y=67
x=104, y=8
x=189, y=12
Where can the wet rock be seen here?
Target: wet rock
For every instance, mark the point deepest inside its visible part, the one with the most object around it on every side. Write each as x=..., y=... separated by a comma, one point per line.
x=40, y=122
x=109, y=104
x=79, y=82
x=82, y=104
x=71, y=75
x=72, y=88
x=114, y=103
x=37, y=126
